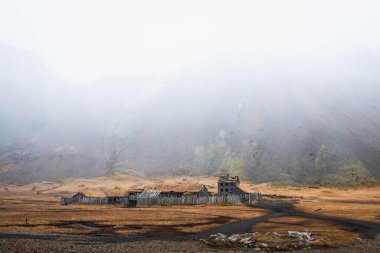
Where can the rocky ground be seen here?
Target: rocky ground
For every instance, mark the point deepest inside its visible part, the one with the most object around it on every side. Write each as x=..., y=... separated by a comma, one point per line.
x=269, y=241
x=36, y=246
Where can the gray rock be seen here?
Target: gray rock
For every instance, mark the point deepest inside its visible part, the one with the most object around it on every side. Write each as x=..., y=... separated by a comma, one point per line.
x=263, y=245
x=301, y=235
x=234, y=238
x=277, y=234
x=246, y=240
x=218, y=237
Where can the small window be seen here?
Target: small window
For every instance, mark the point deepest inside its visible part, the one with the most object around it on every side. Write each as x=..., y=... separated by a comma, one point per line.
x=221, y=190
x=232, y=184
x=226, y=190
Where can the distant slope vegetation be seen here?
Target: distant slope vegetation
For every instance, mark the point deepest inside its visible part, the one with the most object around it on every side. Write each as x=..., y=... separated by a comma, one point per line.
x=285, y=134
x=292, y=126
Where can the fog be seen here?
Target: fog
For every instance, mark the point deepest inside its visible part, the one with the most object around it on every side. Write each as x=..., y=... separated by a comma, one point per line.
x=270, y=90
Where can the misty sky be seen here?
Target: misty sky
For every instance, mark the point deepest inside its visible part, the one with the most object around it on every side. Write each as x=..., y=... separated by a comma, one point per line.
x=83, y=41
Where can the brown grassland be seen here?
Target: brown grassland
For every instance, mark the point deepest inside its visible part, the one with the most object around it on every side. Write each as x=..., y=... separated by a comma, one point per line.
x=354, y=203
x=361, y=204
x=49, y=217
x=35, y=208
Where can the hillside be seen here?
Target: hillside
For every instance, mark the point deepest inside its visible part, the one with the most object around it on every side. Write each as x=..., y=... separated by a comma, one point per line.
x=291, y=126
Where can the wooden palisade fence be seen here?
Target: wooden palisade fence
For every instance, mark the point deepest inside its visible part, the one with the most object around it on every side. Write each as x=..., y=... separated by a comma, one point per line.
x=156, y=200
x=85, y=200
x=232, y=199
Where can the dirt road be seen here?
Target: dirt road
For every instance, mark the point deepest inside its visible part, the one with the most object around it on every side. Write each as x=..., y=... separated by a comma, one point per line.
x=367, y=230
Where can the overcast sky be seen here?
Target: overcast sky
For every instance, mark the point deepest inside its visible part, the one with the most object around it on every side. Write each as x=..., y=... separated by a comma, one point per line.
x=83, y=40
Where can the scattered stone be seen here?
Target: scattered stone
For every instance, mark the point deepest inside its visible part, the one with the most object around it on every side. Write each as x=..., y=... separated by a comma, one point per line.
x=264, y=245
x=217, y=240
x=245, y=240
x=301, y=235
x=234, y=238
x=273, y=240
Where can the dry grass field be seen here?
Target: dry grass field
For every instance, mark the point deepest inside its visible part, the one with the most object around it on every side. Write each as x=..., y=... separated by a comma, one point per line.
x=92, y=219
x=361, y=204
x=35, y=208
x=25, y=211
x=353, y=203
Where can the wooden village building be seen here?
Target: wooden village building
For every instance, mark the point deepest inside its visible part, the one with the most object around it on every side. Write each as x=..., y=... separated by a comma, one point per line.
x=132, y=197
x=86, y=196
x=229, y=190
x=128, y=198
x=117, y=197
x=195, y=190
x=229, y=185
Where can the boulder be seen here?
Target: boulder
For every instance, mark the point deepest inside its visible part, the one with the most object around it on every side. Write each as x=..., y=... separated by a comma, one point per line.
x=301, y=235
x=234, y=238
x=219, y=237
x=263, y=245
x=246, y=240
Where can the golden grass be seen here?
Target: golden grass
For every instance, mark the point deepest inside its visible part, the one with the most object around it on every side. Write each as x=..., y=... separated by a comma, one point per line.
x=365, y=210
x=39, y=203
x=44, y=214
x=353, y=203
x=117, y=181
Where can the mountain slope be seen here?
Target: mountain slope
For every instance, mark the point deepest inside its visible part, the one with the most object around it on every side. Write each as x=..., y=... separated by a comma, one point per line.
x=298, y=124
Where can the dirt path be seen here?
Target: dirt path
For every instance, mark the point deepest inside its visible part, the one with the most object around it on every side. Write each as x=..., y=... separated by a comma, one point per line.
x=367, y=229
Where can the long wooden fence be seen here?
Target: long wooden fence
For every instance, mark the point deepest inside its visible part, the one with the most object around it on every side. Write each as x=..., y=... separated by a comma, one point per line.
x=148, y=201
x=85, y=200
x=232, y=199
